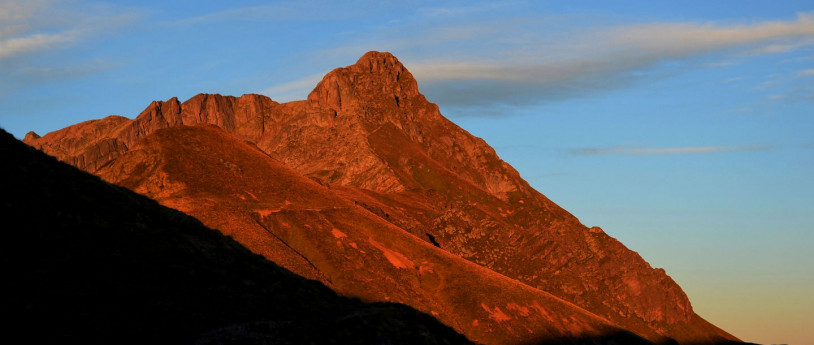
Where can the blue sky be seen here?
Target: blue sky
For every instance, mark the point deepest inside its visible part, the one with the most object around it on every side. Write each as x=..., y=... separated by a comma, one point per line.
x=684, y=129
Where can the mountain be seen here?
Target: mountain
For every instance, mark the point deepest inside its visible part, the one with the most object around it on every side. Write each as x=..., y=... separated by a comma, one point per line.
x=90, y=262
x=233, y=186
x=368, y=136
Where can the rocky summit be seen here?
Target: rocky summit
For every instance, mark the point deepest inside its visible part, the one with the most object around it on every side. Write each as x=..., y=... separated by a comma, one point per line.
x=367, y=188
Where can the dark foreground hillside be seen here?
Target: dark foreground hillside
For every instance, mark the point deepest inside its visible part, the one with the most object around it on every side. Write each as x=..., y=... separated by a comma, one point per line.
x=86, y=261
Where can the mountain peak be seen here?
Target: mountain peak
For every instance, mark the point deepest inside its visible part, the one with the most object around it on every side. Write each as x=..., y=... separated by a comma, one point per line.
x=31, y=136
x=378, y=62
x=376, y=75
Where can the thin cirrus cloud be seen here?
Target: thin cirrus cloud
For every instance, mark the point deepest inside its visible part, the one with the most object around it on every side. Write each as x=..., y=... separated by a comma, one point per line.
x=288, y=10
x=606, y=58
x=31, y=43
x=40, y=25
x=663, y=151
x=294, y=90
x=462, y=10
x=34, y=75
x=19, y=23
x=805, y=73
x=285, y=11
x=779, y=48
x=36, y=27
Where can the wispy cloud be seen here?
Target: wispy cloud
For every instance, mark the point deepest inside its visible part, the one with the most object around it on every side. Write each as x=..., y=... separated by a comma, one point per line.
x=768, y=84
x=298, y=10
x=776, y=48
x=294, y=90
x=19, y=26
x=14, y=13
x=681, y=39
x=39, y=25
x=719, y=64
x=663, y=151
x=597, y=59
x=805, y=73
x=282, y=11
x=46, y=74
x=32, y=30
x=462, y=10
x=729, y=80
x=35, y=42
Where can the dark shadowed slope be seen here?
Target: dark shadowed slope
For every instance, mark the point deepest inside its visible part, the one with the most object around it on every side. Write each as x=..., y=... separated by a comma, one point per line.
x=88, y=262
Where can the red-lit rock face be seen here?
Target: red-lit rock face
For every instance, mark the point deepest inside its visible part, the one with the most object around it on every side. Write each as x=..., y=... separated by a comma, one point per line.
x=400, y=180
x=232, y=186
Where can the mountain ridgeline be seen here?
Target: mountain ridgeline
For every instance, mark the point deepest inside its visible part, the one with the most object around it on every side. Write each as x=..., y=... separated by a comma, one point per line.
x=367, y=188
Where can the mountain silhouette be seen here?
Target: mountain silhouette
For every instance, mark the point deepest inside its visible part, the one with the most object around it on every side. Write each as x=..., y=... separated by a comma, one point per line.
x=366, y=187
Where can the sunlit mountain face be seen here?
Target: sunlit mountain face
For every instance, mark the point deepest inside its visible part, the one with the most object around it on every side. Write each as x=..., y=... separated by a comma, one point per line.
x=368, y=189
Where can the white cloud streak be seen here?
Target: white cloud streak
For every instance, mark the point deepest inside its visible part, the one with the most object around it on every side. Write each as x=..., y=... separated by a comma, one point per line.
x=294, y=90
x=35, y=42
x=39, y=25
x=33, y=75
x=462, y=10
x=17, y=21
x=805, y=73
x=285, y=11
x=676, y=40
x=663, y=151
x=604, y=58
